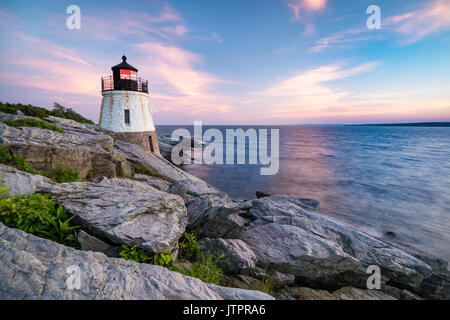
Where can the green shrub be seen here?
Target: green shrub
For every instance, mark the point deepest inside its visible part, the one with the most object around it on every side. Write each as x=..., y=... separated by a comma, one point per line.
x=38, y=214
x=28, y=122
x=8, y=158
x=67, y=113
x=204, y=266
x=64, y=175
x=266, y=285
x=163, y=259
x=33, y=111
x=189, y=246
x=153, y=173
x=206, y=269
x=133, y=254
x=7, y=108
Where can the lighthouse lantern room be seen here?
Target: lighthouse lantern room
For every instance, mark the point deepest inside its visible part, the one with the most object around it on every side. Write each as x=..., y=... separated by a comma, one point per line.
x=125, y=112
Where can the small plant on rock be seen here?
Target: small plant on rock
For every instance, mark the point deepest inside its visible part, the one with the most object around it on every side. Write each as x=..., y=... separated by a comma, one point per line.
x=132, y=253
x=189, y=246
x=163, y=259
x=64, y=175
x=153, y=173
x=206, y=269
x=29, y=122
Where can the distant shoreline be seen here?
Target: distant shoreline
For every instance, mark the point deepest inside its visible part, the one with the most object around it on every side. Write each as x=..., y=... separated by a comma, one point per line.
x=415, y=124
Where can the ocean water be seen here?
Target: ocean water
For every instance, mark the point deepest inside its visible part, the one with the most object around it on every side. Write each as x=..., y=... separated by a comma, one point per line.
x=391, y=182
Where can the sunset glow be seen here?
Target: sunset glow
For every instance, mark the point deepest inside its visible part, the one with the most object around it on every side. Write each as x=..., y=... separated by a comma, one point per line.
x=230, y=62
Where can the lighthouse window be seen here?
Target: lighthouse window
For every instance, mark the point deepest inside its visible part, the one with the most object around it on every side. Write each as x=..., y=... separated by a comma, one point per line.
x=127, y=116
x=128, y=74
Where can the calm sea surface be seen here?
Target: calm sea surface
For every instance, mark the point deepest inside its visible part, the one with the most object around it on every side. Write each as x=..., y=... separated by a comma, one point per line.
x=391, y=182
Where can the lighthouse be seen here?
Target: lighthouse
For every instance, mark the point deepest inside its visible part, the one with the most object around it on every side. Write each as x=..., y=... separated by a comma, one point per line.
x=125, y=112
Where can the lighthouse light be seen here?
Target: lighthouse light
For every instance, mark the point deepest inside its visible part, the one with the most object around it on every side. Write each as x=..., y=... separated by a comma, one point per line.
x=128, y=74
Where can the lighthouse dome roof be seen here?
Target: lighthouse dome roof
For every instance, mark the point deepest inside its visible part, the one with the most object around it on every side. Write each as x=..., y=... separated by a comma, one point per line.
x=124, y=65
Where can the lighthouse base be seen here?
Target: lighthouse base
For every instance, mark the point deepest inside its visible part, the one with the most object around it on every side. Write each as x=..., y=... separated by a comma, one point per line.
x=147, y=140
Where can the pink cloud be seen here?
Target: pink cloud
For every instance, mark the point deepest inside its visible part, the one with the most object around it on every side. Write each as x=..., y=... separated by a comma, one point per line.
x=303, y=9
x=417, y=24
x=178, y=81
x=306, y=5
x=52, y=49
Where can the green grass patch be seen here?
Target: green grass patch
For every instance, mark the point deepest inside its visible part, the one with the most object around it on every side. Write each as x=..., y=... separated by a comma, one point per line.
x=40, y=215
x=6, y=157
x=28, y=122
x=64, y=175
x=203, y=266
x=153, y=173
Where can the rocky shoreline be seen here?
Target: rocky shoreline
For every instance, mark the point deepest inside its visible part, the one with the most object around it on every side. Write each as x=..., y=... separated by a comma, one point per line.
x=306, y=255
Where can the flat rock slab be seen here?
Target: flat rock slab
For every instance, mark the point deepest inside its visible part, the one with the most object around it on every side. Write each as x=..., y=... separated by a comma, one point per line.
x=35, y=268
x=140, y=157
x=125, y=211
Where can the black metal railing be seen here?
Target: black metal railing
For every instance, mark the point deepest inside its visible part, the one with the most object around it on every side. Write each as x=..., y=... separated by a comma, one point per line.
x=140, y=85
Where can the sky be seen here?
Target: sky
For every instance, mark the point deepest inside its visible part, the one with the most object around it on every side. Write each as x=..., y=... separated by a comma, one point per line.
x=236, y=62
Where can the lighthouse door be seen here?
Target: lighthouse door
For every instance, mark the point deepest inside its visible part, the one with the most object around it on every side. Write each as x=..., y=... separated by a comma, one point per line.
x=150, y=141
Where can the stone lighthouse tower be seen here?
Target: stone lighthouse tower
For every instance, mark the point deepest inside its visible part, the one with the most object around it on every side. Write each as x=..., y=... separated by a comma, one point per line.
x=125, y=112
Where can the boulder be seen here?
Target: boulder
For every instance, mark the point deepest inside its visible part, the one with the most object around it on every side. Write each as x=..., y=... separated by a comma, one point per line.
x=140, y=157
x=350, y=293
x=90, y=243
x=346, y=293
x=215, y=216
x=262, y=194
x=78, y=147
x=35, y=268
x=303, y=293
x=322, y=252
x=239, y=258
x=194, y=188
x=155, y=182
x=124, y=211
x=20, y=182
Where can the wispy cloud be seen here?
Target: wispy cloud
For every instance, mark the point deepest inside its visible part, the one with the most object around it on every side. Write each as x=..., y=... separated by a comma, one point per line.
x=303, y=9
x=312, y=82
x=180, y=80
x=51, y=49
x=345, y=39
x=415, y=25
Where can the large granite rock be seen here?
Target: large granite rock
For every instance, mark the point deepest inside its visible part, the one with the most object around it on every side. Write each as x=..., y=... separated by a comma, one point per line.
x=35, y=268
x=194, y=188
x=124, y=211
x=322, y=252
x=140, y=157
x=215, y=216
x=239, y=258
x=19, y=182
x=79, y=147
